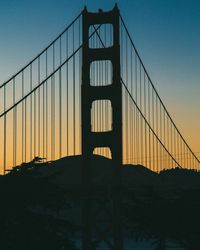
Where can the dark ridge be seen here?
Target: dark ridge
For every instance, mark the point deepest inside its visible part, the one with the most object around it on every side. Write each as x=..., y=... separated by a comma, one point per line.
x=38, y=197
x=67, y=172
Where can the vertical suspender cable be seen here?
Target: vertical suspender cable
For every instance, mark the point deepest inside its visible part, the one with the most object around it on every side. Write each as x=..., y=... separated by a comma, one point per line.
x=47, y=131
x=134, y=118
x=43, y=121
x=79, y=43
x=174, y=143
x=141, y=127
x=132, y=107
x=39, y=107
x=178, y=153
x=25, y=132
x=157, y=154
x=145, y=127
x=5, y=135
x=153, y=124
x=122, y=67
x=161, y=153
x=14, y=126
x=60, y=104
x=53, y=108
x=74, y=94
x=149, y=131
x=126, y=102
x=67, y=102
x=184, y=156
x=31, y=118
x=22, y=117
x=34, y=105
x=168, y=143
x=136, y=113
x=181, y=150
x=164, y=139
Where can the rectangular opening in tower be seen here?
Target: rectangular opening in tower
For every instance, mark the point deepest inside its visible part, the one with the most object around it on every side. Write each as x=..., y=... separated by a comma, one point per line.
x=101, y=36
x=101, y=116
x=103, y=151
x=101, y=73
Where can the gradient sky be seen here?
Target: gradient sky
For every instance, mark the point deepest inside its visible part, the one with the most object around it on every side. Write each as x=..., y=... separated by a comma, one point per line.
x=166, y=34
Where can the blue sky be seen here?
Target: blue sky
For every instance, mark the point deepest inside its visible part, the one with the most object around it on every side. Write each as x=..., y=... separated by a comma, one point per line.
x=166, y=34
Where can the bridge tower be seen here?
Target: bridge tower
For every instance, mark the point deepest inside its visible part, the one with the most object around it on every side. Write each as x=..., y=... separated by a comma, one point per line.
x=111, y=139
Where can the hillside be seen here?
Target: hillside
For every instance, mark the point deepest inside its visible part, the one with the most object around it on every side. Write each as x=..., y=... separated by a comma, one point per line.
x=38, y=197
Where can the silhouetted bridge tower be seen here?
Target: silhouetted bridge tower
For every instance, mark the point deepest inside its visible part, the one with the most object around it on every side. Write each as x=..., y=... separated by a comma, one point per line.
x=112, y=138
x=90, y=75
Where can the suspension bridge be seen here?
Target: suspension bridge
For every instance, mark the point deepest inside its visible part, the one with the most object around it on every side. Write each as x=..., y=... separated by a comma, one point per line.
x=88, y=92
x=40, y=107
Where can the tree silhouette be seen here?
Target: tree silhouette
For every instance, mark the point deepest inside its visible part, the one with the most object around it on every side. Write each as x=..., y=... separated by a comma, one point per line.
x=28, y=211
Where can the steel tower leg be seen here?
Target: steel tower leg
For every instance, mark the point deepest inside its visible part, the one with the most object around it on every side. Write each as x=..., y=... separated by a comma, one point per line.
x=111, y=139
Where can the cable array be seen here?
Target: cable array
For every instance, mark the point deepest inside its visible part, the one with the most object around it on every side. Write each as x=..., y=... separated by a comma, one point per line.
x=150, y=135
x=39, y=115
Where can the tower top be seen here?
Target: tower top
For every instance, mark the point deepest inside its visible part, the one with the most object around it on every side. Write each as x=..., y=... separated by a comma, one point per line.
x=115, y=8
